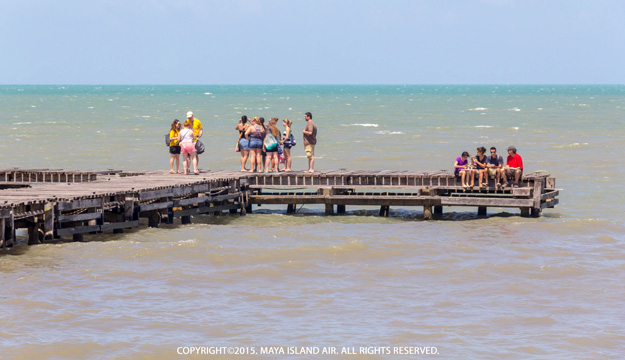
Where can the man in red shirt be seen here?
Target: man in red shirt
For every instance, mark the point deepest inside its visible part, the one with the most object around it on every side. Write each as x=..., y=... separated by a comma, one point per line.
x=514, y=166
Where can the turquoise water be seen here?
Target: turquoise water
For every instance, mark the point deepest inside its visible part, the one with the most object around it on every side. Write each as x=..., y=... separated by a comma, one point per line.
x=497, y=287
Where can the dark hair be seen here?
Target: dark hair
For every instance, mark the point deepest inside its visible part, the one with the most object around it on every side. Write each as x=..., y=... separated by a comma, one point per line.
x=482, y=150
x=466, y=153
x=243, y=119
x=173, y=124
x=493, y=148
x=309, y=115
x=261, y=120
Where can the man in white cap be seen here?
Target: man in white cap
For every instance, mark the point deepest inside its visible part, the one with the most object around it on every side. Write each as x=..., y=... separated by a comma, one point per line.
x=197, y=129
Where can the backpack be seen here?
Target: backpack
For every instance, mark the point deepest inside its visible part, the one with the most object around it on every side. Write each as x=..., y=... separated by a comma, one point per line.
x=167, y=139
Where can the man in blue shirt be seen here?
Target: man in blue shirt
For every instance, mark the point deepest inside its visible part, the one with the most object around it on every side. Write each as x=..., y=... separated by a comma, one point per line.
x=495, y=168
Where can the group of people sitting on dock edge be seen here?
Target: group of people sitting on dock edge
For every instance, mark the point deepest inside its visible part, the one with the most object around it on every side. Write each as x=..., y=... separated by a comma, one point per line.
x=185, y=141
x=267, y=148
x=484, y=167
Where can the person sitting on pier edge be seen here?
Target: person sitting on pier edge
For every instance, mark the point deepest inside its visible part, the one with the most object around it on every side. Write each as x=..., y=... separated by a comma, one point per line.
x=461, y=169
x=479, y=161
x=187, y=139
x=514, y=166
x=174, y=148
x=496, y=163
x=255, y=134
x=244, y=143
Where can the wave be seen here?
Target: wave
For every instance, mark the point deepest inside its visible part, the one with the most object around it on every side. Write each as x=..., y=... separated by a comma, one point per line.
x=388, y=132
x=483, y=126
x=514, y=109
x=365, y=125
x=573, y=145
x=479, y=109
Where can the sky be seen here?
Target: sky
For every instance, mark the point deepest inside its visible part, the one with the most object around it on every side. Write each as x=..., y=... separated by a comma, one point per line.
x=312, y=42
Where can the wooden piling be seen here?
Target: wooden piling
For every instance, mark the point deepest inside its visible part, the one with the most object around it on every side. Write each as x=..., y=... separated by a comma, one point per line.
x=385, y=210
x=427, y=212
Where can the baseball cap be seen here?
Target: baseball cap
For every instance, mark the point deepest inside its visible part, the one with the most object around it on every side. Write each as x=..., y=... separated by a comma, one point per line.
x=189, y=114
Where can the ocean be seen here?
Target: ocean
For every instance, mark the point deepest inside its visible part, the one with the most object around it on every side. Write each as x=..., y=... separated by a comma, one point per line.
x=309, y=286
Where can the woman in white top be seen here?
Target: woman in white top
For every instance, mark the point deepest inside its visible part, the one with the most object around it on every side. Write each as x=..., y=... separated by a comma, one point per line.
x=186, y=140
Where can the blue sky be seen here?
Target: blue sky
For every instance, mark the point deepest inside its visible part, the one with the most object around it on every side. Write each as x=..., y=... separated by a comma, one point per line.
x=312, y=42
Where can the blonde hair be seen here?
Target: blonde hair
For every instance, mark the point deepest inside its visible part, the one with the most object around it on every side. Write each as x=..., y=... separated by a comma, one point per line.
x=274, y=129
x=288, y=122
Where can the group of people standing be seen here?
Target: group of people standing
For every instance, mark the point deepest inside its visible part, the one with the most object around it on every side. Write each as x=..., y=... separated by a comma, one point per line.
x=483, y=167
x=267, y=148
x=263, y=145
x=183, y=139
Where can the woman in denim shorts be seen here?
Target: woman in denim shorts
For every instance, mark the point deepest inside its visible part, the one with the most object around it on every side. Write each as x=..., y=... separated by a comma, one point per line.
x=255, y=134
x=244, y=144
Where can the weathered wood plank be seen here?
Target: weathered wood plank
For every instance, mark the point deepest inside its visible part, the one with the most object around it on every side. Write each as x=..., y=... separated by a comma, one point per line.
x=156, y=206
x=119, y=225
x=205, y=209
x=79, y=217
x=77, y=230
x=79, y=204
x=475, y=201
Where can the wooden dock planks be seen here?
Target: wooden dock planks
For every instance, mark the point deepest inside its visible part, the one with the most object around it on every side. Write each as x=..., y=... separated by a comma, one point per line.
x=62, y=202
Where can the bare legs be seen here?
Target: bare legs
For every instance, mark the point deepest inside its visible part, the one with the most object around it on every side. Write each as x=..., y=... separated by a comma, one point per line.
x=508, y=172
x=287, y=159
x=185, y=162
x=187, y=159
x=244, y=155
x=176, y=158
x=467, y=175
x=256, y=159
x=270, y=164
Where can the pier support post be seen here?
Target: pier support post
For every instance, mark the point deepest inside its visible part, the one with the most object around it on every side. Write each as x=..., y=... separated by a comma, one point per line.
x=481, y=211
x=438, y=210
x=154, y=218
x=290, y=208
x=525, y=212
x=385, y=210
x=78, y=237
x=536, y=212
x=7, y=237
x=2, y=232
x=185, y=219
x=34, y=235
x=48, y=221
x=340, y=209
x=118, y=231
x=427, y=212
x=329, y=209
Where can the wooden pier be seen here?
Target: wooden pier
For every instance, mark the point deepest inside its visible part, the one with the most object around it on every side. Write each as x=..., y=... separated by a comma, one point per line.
x=55, y=203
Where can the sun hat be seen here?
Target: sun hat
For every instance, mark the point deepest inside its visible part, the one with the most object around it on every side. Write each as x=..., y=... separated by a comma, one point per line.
x=189, y=114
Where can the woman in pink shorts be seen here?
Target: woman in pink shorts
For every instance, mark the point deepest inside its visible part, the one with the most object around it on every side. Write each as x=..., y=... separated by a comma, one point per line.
x=186, y=139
